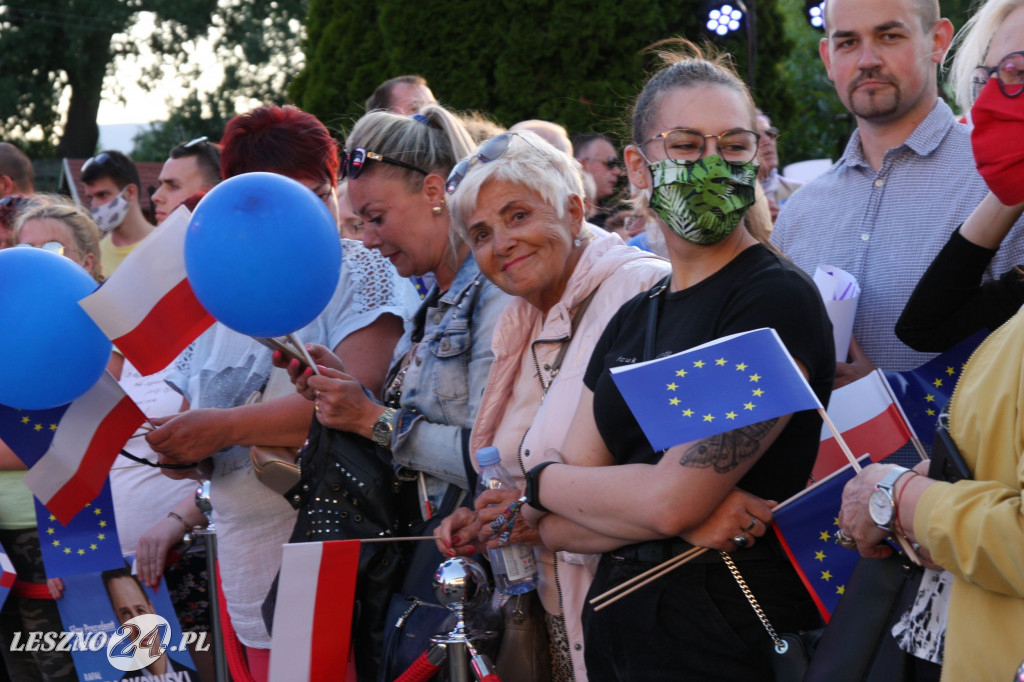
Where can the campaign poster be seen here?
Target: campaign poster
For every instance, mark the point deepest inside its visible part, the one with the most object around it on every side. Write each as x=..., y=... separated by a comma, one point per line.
x=122, y=631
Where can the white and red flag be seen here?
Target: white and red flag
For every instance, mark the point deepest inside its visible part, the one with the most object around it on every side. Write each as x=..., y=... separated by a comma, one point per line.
x=147, y=306
x=86, y=440
x=7, y=576
x=869, y=420
x=313, y=616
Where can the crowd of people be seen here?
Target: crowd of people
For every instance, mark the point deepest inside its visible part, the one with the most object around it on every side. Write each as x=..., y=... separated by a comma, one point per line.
x=492, y=281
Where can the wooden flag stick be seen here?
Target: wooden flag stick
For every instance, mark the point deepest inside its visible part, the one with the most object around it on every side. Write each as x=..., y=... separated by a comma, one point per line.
x=839, y=439
x=646, y=577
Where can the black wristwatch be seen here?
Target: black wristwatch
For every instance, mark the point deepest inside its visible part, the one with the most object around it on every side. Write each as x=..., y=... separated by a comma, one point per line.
x=533, y=487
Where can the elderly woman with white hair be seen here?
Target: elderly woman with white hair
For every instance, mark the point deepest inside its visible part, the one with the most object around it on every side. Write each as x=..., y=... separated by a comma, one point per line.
x=519, y=204
x=971, y=528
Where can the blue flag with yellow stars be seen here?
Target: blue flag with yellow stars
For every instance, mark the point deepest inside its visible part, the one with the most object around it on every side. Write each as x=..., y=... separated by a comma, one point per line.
x=88, y=543
x=723, y=385
x=805, y=526
x=29, y=432
x=924, y=392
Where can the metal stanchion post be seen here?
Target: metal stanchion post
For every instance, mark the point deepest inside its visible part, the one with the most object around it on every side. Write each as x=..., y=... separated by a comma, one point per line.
x=209, y=536
x=458, y=584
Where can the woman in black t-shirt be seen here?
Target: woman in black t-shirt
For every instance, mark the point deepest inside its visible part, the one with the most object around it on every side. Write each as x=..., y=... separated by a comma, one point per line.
x=693, y=156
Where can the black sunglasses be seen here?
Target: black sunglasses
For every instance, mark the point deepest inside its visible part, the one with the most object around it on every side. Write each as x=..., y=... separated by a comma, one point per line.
x=352, y=163
x=490, y=150
x=611, y=163
x=13, y=203
x=99, y=160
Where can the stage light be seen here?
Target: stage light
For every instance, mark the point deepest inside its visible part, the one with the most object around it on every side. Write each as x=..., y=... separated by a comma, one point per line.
x=815, y=13
x=724, y=19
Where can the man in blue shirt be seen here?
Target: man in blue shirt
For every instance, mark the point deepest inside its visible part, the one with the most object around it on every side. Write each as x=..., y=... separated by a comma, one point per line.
x=905, y=182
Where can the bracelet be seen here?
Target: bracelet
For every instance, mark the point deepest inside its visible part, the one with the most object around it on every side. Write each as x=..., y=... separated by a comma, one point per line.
x=184, y=524
x=533, y=487
x=899, y=496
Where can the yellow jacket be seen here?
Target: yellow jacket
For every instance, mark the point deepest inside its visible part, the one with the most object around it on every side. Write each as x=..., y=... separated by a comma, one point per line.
x=975, y=529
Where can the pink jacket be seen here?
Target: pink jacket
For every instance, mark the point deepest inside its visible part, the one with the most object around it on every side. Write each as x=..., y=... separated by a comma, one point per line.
x=621, y=272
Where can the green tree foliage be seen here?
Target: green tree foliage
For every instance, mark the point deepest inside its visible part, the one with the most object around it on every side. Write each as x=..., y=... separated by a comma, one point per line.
x=577, y=62
x=51, y=49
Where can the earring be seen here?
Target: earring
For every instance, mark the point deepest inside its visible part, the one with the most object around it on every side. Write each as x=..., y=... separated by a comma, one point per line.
x=436, y=210
x=576, y=242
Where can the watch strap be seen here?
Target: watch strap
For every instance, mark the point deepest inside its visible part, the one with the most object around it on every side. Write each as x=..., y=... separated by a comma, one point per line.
x=533, y=487
x=384, y=427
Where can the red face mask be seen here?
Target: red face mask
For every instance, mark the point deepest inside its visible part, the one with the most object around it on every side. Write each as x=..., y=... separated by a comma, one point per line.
x=998, y=142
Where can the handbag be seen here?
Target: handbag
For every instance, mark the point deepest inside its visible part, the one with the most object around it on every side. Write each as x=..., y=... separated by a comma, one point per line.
x=274, y=466
x=525, y=653
x=348, y=490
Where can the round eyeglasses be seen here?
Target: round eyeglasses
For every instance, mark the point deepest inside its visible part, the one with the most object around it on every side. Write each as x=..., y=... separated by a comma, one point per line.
x=53, y=247
x=1009, y=72
x=683, y=144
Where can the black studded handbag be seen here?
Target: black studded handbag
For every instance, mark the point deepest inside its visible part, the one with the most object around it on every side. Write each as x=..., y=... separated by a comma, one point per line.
x=348, y=490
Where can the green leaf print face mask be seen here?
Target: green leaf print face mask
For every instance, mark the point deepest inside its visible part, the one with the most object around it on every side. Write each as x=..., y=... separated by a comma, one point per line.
x=703, y=201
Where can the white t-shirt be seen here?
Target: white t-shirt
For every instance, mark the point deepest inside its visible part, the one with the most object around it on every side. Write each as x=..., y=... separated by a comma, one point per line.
x=143, y=495
x=221, y=369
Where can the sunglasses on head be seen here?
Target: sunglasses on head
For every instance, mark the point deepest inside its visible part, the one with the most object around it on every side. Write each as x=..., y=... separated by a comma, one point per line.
x=203, y=143
x=352, y=163
x=99, y=160
x=13, y=203
x=490, y=150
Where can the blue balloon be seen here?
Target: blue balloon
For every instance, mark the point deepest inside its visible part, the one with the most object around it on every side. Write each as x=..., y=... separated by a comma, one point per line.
x=55, y=352
x=263, y=254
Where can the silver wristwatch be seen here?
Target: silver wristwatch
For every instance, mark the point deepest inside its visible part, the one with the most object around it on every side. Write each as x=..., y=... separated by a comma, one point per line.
x=383, y=427
x=882, y=503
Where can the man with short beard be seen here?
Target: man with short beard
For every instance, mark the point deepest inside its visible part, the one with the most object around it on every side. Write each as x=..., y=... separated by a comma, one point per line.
x=905, y=181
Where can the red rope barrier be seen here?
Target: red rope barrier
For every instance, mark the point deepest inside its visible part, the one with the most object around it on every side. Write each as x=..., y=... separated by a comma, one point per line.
x=421, y=670
x=232, y=647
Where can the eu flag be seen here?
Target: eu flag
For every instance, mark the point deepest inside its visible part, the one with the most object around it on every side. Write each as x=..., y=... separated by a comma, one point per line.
x=805, y=527
x=924, y=392
x=29, y=432
x=723, y=385
x=87, y=544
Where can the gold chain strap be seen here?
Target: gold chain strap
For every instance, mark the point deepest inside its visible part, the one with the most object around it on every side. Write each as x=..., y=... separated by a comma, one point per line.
x=781, y=646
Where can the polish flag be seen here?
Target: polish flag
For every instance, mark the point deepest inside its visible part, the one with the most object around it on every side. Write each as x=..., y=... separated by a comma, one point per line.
x=88, y=438
x=868, y=418
x=313, y=616
x=7, y=576
x=147, y=307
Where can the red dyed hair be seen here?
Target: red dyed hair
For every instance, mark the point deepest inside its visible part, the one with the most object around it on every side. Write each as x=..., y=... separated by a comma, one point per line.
x=284, y=140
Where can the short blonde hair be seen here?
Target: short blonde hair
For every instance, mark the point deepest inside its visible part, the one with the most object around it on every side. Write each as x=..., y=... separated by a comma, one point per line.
x=972, y=43
x=529, y=162
x=76, y=219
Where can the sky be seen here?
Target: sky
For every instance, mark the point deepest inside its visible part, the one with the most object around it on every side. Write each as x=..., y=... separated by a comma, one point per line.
x=140, y=106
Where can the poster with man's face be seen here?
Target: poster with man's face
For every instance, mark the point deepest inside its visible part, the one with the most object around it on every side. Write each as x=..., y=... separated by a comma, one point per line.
x=118, y=630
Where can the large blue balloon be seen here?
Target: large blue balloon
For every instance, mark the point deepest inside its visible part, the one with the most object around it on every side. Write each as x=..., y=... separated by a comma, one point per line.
x=54, y=351
x=263, y=254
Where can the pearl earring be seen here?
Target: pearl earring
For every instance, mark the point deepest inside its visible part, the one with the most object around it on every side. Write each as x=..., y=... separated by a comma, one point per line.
x=576, y=242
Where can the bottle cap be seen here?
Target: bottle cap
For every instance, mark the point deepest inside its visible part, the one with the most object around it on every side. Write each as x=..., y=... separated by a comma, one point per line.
x=488, y=456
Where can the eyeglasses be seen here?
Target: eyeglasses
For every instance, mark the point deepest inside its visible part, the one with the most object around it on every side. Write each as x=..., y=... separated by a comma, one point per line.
x=491, y=150
x=203, y=144
x=682, y=144
x=13, y=203
x=352, y=163
x=52, y=247
x=1009, y=71
x=769, y=135
x=99, y=160
x=611, y=163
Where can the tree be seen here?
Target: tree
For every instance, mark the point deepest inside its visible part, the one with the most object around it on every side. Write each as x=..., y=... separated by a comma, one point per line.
x=51, y=49
x=577, y=62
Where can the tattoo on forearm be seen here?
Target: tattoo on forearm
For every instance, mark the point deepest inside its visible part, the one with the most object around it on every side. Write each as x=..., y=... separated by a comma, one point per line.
x=727, y=450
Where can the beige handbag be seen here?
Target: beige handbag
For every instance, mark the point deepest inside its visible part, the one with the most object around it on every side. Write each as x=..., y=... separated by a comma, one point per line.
x=275, y=466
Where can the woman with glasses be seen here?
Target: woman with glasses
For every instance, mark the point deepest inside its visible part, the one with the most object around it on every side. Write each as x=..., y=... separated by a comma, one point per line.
x=693, y=156
x=519, y=204
x=54, y=224
x=971, y=528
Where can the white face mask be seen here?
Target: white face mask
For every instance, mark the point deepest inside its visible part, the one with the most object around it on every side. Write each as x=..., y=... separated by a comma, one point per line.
x=111, y=214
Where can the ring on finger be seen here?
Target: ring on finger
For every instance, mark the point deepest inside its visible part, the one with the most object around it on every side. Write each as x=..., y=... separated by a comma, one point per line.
x=753, y=522
x=844, y=540
x=741, y=540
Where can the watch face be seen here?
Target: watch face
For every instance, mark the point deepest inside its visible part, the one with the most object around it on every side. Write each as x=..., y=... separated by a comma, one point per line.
x=880, y=508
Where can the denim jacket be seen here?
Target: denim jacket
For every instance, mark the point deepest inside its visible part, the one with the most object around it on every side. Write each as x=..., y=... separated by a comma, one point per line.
x=445, y=380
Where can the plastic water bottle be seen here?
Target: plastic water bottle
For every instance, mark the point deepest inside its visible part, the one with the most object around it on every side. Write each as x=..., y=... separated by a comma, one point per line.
x=513, y=566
